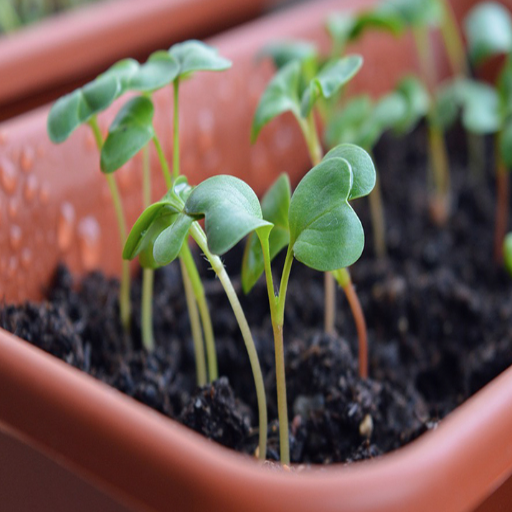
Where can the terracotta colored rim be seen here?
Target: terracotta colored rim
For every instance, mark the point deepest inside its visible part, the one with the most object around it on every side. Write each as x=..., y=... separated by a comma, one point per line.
x=142, y=457
x=83, y=41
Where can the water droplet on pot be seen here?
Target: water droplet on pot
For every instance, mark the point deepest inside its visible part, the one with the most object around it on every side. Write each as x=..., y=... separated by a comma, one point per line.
x=89, y=242
x=66, y=226
x=12, y=267
x=27, y=159
x=283, y=139
x=26, y=257
x=125, y=177
x=8, y=176
x=259, y=160
x=44, y=194
x=90, y=143
x=13, y=208
x=30, y=188
x=15, y=237
x=206, y=123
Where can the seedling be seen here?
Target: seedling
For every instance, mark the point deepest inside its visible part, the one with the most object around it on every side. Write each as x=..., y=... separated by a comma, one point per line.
x=82, y=107
x=396, y=16
x=319, y=227
x=485, y=108
x=170, y=221
x=291, y=91
x=130, y=133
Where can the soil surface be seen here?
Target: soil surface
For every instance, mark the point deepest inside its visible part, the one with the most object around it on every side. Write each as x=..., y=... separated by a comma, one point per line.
x=439, y=315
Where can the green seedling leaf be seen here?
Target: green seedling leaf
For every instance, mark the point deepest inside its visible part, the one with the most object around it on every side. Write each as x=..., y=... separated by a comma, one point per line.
x=194, y=56
x=147, y=247
x=281, y=95
x=78, y=107
x=130, y=131
x=330, y=80
x=350, y=124
x=123, y=70
x=339, y=27
x=480, y=108
x=507, y=252
x=325, y=232
x=488, y=31
x=231, y=211
x=417, y=101
x=415, y=13
x=274, y=206
x=169, y=242
x=141, y=235
x=384, y=20
x=284, y=52
x=505, y=144
x=160, y=70
x=362, y=170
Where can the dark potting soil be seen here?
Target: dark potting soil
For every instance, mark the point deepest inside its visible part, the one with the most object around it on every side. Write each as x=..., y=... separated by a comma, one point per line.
x=439, y=315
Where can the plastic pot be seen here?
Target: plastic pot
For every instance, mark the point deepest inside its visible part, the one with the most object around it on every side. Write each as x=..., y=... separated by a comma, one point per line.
x=123, y=454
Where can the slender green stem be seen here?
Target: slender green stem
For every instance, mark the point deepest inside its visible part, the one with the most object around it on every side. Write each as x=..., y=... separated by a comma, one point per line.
x=277, y=315
x=195, y=324
x=163, y=161
x=148, y=274
x=148, y=339
x=200, y=297
x=124, y=291
x=439, y=162
x=378, y=219
x=176, y=128
x=217, y=266
x=453, y=41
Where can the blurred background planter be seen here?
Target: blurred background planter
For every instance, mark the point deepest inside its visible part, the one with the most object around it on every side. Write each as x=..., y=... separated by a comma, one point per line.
x=59, y=426
x=41, y=61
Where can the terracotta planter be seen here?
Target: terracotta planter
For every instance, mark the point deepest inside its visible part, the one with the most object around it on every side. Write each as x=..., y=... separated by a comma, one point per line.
x=44, y=60
x=62, y=417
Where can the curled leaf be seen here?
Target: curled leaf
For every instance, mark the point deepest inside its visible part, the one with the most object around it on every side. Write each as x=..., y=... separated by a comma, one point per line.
x=231, y=211
x=325, y=232
x=362, y=169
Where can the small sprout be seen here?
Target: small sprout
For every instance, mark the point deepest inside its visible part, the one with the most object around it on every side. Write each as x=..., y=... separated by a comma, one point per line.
x=507, y=251
x=329, y=81
x=284, y=92
x=489, y=31
x=415, y=13
x=130, y=131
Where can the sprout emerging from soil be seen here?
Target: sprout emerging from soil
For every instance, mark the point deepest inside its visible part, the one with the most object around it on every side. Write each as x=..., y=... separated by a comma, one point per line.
x=507, y=251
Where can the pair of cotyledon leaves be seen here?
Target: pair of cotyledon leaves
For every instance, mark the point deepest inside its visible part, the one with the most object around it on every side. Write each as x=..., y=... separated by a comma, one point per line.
x=317, y=221
x=132, y=128
x=362, y=121
x=392, y=16
x=287, y=93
